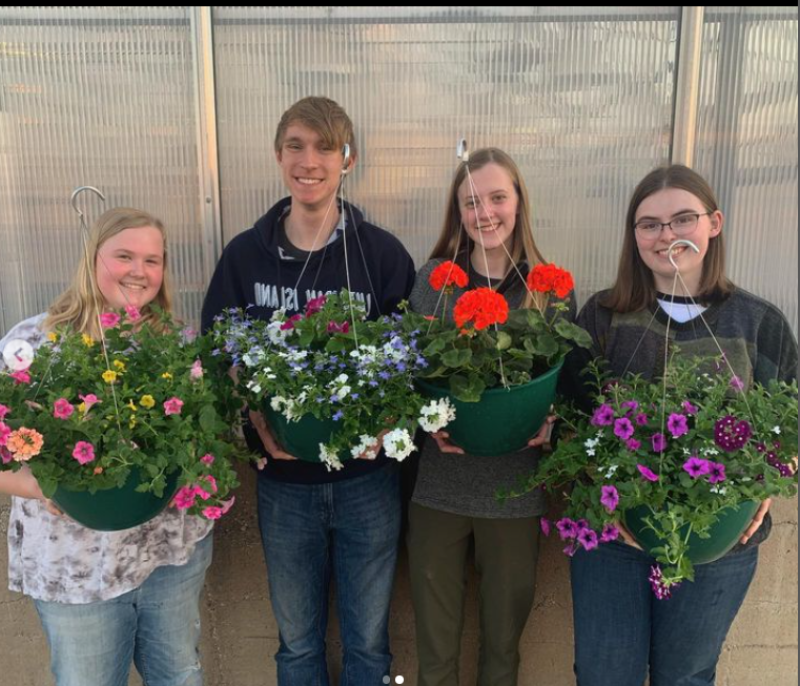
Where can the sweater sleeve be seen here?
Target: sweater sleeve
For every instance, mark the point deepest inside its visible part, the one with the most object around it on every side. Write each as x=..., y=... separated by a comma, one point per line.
x=225, y=290
x=776, y=349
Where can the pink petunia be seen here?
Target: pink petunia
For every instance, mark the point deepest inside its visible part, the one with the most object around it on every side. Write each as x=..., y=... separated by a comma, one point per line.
x=4, y=410
x=228, y=504
x=173, y=406
x=647, y=473
x=5, y=431
x=212, y=512
x=544, y=524
x=20, y=377
x=108, y=320
x=633, y=445
x=63, y=409
x=89, y=400
x=208, y=458
x=609, y=498
x=610, y=533
x=83, y=452
x=184, y=498
x=196, y=372
x=133, y=313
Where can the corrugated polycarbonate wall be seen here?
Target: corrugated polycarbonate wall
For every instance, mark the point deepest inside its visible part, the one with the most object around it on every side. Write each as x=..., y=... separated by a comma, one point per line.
x=582, y=98
x=747, y=143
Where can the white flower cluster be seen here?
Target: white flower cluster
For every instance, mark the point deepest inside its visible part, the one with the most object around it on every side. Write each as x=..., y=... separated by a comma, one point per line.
x=436, y=415
x=367, y=445
x=398, y=444
x=591, y=444
x=329, y=458
x=340, y=387
x=290, y=408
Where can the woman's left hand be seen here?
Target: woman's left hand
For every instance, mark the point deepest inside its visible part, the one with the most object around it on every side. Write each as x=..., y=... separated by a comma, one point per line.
x=758, y=519
x=544, y=432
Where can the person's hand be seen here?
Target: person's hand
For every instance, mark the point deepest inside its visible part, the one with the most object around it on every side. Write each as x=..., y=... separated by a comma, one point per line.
x=23, y=484
x=543, y=436
x=445, y=445
x=267, y=437
x=758, y=520
x=627, y=536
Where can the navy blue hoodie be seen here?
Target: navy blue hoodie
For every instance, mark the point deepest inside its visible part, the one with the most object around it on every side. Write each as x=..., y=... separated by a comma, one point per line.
x=255, y=270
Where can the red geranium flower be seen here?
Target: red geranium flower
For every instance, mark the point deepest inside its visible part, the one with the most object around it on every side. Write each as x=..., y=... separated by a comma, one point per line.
x=481, y=306
x=546, y=278
x=447, y=274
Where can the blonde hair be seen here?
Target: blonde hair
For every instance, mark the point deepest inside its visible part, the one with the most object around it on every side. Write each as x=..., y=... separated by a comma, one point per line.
x=78, y=305
x=323, y=116
x=523, y=246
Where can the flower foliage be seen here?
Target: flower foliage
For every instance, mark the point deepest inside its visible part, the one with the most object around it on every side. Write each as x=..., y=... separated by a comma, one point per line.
x=684, y=450
x=88, y=414
x=334, y=364
x=488, y=345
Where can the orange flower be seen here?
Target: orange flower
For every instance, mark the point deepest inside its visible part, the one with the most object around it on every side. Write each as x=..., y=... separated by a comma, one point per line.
x=447, y=274
x=481, y=306
x=24, y=444
x=546, y=278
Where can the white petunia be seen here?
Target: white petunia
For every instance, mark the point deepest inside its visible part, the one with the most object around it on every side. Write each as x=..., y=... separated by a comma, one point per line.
x=436, y=415
x=398, y=444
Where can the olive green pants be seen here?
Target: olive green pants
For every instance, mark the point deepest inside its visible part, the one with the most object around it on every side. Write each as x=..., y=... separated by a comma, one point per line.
x=505, y=559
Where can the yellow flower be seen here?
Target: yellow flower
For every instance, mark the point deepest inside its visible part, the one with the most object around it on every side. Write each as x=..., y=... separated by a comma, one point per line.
x=166, y=375
x=88, y=341
x=119, y=364
x=52, y=337
x=132, y=423
x=131, y=406
x=82, y=408
x=109, y=376
x=147, y=401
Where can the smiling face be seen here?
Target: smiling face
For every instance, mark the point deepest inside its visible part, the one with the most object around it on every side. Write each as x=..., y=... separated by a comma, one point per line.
x=489, y=207
x=664, y=206
x=130, y=267
x=311, y=168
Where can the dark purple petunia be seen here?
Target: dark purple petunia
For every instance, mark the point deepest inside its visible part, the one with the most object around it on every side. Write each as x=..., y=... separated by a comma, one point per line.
x=603, y=415
x=677, y=425
x=641, y=419
x=588, y=539
x=696, y=467
x=623, y=428
x=567, y=529
x=688, y=408
x=716, y=472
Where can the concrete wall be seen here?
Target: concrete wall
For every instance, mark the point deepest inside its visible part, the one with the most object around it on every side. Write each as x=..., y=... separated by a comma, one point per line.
x=240, y=636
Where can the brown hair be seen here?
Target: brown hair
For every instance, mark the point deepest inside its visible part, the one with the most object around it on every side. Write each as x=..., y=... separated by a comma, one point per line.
x=322, y=115
x=523, y=246
x=635, y=288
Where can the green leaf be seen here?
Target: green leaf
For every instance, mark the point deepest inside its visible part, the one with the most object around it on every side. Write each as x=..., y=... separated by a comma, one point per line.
x=457, y=358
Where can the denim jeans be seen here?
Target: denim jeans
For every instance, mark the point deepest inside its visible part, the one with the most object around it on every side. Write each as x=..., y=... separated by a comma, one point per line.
x=622, y=629
x=348, y=531
x=156, y=625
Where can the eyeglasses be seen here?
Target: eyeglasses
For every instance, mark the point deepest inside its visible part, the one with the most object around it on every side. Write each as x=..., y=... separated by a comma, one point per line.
x=681, y=226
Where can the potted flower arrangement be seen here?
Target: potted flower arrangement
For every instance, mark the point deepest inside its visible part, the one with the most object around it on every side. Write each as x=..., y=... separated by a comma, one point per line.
x=683, y=463
x=332, y=384
x=498, y=367
x=114, y=431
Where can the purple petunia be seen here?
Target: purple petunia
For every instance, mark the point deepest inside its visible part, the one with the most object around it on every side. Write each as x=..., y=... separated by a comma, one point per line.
x=716, y=472
x=647, y=473
x=623, y=428
x=688, y=408
x=662, y=590
x=588, y=539
x=736, y=383
x=633, y=445
x=631, y=405
x=567, y=529
x=659, y=443
x=609, y=498
x=677, y=425
x=696, y=467
x=569, y=551
x=603, y=415
x=641, y=419
x=610, y=533
x=544, y=524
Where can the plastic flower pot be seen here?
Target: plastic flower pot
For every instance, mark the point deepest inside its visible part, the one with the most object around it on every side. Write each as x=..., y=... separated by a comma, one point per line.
x=725, y=532
x=504, y=419
x=302, y=438
x=114, y=509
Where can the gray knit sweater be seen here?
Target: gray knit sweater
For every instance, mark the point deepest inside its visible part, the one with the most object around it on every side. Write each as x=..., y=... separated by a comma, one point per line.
x=467, y=484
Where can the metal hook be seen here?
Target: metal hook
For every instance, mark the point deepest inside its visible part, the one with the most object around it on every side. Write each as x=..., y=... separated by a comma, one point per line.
x=73, y=199
x=346, y=154
x=674, y=244
x=462, y=151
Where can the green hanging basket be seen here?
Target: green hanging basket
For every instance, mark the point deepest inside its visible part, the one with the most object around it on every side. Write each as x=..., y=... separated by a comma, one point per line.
x=114, y=509
x=725, y=533
x=504, y=419
x=302, y=438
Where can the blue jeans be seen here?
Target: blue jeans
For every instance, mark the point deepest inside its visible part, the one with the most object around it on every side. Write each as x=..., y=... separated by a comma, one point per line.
x=622, y=629
x=156, y=625
x=347, y=530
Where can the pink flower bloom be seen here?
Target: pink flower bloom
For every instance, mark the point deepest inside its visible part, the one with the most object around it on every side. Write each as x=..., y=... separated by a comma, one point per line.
x=315, y=305
x=633, y=445
x=4, y=410
x=569, y=551
x=647, y=473
x=609, y=498
x=196, y=372
x=208, y=458
x=212, y=512
x=737, y=384
x=677, y=425
x=5, y=455
x=566, y=528
x=333, y=327
x=5, y=430
x=688, y=408
x=189, y=334
x=659, y=442
x=603, y=416
x=173, y=406
x=62, y=409
x=610, y=533
x=228, y=504
x=544, y=524
x=109, y=320
x=588, y=539
x=288, y=325
x=20, y=377
x=133, y=313
x=641, y=419
x=696, y=467
x=89, y=400
x=184, y=498
x=211, y=482
x=83, y=452
x=623, y=428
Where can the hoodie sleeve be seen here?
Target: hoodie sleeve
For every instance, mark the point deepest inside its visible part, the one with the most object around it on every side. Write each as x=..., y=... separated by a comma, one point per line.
x=225, y=290
x=397, y=274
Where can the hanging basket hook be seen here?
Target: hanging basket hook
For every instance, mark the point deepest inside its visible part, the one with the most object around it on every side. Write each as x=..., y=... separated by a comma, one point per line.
x=675, y=244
